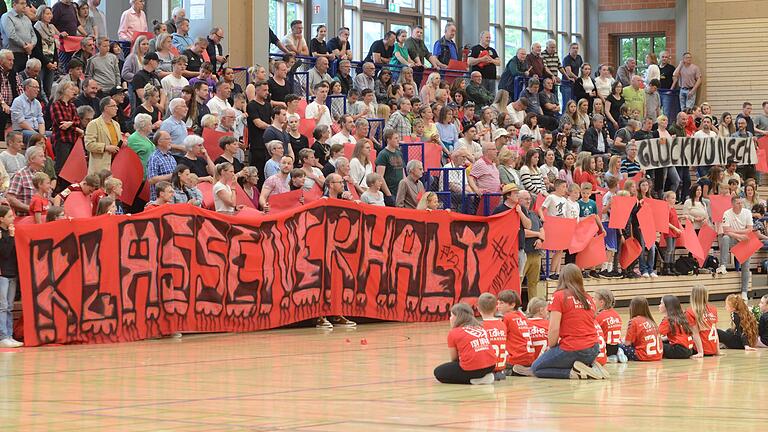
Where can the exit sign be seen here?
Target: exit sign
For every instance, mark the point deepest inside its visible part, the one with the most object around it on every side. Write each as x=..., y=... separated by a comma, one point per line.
x=394, y=7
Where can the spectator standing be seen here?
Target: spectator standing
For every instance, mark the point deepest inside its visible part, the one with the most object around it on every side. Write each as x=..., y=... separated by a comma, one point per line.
x=626, y=71
x=173, y=83
x=410, y=189
x=104, y=67
x=317, y=108
x=382, y=50
x=400, y=54
x=552, y=60
x=133, y=21
x=135, y=60
x=294, y=41
x=88, y=95
x=445, y=48
x=339, y=46
x=65, y=123
x=484, y=175
x=65, y=20
x=259, y=116
x=420, y=54
x=47, y=33
x=517, y=66
x=87, y=25
x=746, y=114
x=483, y=58
x=139, y=140
x=103, y=137
x=21, y=189
x=536, y=62
x=98, y=17
x=666, y=70
x=389, y=165
x=195, y=58
x=177, y=14
x=215, y=50
x=652, y=99
x=688, y=77
x=161, y=163
x=18, y=34
x=635, y=96
x=761, y=121
x=279, y=87
x=571, y=66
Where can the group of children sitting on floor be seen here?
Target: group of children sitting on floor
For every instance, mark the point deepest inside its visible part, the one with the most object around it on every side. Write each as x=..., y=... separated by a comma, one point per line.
x=507, y=342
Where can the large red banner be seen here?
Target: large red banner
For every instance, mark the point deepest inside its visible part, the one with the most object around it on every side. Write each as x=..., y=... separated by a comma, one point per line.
x=182, y=268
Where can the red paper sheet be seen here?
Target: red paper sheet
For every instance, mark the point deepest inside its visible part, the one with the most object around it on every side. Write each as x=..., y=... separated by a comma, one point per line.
x=539, y=202
x=207, y=190
x=279, y=203
x=660, y=210
x=313, y=194
x=127, y=167
x=593, y=254
x=621, y=207
x=148, y=35
x=583, y=234
x=432, y=155
x=75, y=168
x=745, y=248
x=249, y=212
x=211, y=139
x=353, y=191
x=558, y=232
x=77, y=205
x=707, y=236
x=242, y=198
x=307, y=126
x=24, y=220
x=719, y=204
x=762, y=160
x=692, y=243
x=647, y=225
x=630, y=250
x=70, y=44
x=144, y=192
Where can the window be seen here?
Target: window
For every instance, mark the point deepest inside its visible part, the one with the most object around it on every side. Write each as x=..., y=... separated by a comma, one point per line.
x=372, y=31
x=282, y=12
x=519, y=23
x=638, y=46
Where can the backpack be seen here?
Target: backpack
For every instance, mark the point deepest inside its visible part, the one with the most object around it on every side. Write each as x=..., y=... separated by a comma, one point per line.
x=686, y=265
x=711, y=263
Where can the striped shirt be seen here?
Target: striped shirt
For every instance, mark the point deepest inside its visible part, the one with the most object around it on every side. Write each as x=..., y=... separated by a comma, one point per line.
x=533, y=181
x=630, y=168
x=552, y=62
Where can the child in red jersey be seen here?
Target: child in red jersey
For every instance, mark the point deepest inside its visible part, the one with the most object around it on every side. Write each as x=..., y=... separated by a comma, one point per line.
x=675, y=331
x=538, y=324
x=497, y=332
x=520, y=352
x=602, y=356
x=472, y=358
x=642, y=341
x=38, y=206
x=702, y=317
x=90, y=183
x=610, y=324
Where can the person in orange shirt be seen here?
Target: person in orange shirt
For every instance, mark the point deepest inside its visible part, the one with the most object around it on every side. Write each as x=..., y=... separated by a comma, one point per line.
x=642, y=341
x=520, y=352
x=38, y=206
x=538, y=324
x=497, y=332
x=702, y=317
x=675, y=331
x=610, y=324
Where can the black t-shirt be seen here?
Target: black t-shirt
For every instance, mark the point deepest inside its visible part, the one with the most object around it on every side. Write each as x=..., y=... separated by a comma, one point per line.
x=298, y=144
x=91, y=102
x=278, y=92
x=235, y=163
x=142, y=78
x=335, y=44
x=378, y=47
x=193, y=60
x=155, y=114
x=199, y=166
x=328, y=169
x=317, y=47
x=262, y=112
x=665, y=79
x=489, y=69
x=322, y=152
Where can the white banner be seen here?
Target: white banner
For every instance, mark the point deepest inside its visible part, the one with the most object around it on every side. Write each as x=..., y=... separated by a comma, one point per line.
x=659, y=153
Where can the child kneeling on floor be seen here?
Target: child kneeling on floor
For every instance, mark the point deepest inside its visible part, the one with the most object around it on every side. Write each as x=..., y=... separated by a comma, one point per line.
x=472, y=358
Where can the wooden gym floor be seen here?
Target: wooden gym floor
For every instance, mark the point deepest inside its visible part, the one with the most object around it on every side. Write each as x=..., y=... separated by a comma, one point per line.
x=377, y=377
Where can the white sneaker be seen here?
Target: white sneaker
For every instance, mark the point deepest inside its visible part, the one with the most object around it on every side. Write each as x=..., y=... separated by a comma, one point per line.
x=654, y=275
x=487, y=379
x=21, y=344
x=622, y=357
x=646, y=275
x=10, y=343
x=721, y=270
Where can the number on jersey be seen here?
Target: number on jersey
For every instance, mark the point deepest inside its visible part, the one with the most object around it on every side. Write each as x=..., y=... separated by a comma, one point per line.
x=614, y=337
x=712, y=336
x=652, y=347
x=501, y=354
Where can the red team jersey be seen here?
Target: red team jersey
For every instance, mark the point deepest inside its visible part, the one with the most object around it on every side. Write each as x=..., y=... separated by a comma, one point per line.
x=473, y=346
x=577, y=326
x=644, y=335
x=602, y=356
x=708, y=334
x=610, y=325
x=39, y=204
x=519, y=345
x=680, y=337
x=497, y=334
x=539, y=329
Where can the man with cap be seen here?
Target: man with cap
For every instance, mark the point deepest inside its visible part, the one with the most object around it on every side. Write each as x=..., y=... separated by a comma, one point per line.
x=147, y=75
x=511, y=194
x=526, y=143
x=118, y=95
x=500, y=138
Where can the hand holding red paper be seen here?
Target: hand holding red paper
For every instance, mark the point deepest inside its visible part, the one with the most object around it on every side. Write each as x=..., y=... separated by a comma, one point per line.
x=745, y=248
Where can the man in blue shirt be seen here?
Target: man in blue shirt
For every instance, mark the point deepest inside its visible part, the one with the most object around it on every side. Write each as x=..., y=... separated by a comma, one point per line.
x=572, y=65
x=26, y=111
x=176, y=126
x=445, y=48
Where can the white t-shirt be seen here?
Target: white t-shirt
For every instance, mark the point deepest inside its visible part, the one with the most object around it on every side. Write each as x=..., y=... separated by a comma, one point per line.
x=517, y=117
x=12, y=163
x=308, y=182
x=340, y=138
x=358, y=172
x=312, y=110
x=216, y=105
x=173, y=86
x=218, y=203
x=702, y=134
x=740, y=221
x=571, y=209
x=556, y=205
x=371, y=198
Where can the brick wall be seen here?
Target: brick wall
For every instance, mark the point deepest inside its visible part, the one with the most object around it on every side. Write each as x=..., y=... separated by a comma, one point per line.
x=610, y=5
x=610, y=33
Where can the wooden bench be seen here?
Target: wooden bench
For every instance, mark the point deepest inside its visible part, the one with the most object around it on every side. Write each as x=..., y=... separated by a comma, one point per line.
x=655, y=288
